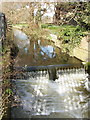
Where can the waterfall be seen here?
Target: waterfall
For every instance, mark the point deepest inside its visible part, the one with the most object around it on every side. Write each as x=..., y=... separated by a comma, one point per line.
x=65, y=97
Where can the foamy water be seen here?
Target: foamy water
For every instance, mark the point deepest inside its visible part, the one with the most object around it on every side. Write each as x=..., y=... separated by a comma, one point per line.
x=64, y=98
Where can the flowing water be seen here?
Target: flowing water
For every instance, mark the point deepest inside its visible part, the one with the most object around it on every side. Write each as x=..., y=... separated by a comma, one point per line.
x=40, y=97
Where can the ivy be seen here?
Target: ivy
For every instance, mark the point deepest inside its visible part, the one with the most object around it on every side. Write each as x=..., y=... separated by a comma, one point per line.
x=71, y=37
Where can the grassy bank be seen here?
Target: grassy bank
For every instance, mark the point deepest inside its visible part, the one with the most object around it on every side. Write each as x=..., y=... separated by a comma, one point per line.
x=70, y=36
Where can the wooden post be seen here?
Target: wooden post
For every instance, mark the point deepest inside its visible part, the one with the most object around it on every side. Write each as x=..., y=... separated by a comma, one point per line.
x=2, y=29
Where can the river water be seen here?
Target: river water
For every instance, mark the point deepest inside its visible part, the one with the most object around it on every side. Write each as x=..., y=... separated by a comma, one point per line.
x=39, y=97
x=39, y=52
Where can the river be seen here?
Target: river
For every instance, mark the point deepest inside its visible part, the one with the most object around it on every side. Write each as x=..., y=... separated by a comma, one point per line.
x=66, y=97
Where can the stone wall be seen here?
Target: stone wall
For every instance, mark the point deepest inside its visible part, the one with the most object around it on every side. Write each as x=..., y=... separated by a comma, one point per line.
x=83, y=51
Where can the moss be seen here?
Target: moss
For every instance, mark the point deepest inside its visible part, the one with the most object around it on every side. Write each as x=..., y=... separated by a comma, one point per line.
x=87, y=67
x=87, y=64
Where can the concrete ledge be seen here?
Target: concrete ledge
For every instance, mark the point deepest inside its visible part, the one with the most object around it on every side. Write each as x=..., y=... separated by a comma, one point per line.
x=36, y=68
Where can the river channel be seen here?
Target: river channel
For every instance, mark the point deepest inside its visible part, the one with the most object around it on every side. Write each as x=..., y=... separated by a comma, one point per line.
x=66, y=97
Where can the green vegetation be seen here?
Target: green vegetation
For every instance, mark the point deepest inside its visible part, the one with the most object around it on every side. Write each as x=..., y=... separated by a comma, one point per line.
x=9, y=91
x=21, y=24
x=79, y=12
x=70, y=36
x=87, y=65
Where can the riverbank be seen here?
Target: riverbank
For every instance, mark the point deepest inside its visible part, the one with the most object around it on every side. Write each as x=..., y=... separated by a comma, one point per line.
x=6, y=69
x=71, y=39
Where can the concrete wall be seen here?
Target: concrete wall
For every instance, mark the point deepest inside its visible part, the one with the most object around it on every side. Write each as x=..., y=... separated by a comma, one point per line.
x=83, y=51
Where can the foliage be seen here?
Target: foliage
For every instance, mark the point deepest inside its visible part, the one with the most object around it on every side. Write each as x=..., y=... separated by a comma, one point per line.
x=70, y=36
x=9, y=91
x=78, y=11
x=46, y=25
x=87, y=65
x=82, y=14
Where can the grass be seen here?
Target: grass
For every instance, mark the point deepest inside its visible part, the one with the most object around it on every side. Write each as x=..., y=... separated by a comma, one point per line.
x=69, y=35
x=56, y=28
x=21, y=24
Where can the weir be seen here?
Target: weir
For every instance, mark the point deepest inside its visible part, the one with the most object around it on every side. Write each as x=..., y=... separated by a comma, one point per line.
x=61, y=66
x=51, y=69
x=66, y=97
x=49, y=91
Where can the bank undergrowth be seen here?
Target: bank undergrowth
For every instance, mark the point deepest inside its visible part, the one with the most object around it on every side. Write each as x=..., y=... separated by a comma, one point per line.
x=70, y=36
